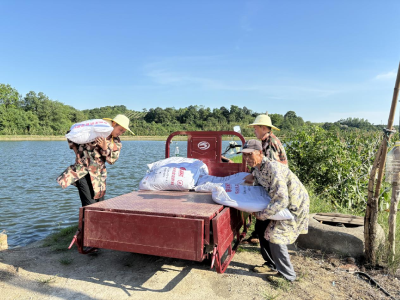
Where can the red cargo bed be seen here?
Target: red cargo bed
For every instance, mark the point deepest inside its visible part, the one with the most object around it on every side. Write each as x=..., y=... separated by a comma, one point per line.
x=177, y=224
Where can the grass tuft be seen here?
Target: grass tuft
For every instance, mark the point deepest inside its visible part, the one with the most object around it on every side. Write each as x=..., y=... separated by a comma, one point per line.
x=47, y=280
x=59, y=241
x=267, y=296
x=282, y=284
x=65, y=261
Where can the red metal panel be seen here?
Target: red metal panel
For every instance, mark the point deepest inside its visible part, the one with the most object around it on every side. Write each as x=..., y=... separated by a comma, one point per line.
x=225, y=226
x=165, y=203
x=146, y=234
x=222, y=230
x=224, y=169
x=206, y=146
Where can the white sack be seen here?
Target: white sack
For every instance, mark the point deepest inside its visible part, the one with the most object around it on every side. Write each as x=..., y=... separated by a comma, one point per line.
x=166, y=178
x=234, y=179
x=246, y=198
x=87, y=131
x=206, y=187
x=174, y=173
x=196, y=166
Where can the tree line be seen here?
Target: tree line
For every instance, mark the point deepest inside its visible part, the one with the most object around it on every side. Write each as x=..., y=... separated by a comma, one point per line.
x=37, y=114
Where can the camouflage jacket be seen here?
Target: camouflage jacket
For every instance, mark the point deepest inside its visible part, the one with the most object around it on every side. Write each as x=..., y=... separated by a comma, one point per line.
x=92, y=161
x=286, y=191
x=273, y=148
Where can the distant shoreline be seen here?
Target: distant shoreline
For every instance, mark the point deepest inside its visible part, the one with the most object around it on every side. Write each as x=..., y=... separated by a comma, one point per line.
x=62, y=138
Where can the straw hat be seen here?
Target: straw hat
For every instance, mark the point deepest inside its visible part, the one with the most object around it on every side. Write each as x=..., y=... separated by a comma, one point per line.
x=263, y=120
x=121, y=120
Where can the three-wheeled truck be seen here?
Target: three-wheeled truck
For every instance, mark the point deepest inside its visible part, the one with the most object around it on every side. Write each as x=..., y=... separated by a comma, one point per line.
x=177, y=224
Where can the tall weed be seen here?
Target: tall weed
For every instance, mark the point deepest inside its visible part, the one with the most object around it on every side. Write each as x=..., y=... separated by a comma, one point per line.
x=336, y=163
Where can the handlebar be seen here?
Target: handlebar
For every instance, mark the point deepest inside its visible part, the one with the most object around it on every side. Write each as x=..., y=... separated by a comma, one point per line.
x=231, y=146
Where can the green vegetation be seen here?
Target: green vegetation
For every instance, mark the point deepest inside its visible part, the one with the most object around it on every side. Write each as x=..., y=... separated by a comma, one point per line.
x=335, y=163
x=60, y=240
x=36, y=114
x=47, y=280
x=65, y=261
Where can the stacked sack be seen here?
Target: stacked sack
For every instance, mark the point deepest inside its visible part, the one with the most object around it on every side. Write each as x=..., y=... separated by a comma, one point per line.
x=235, y=178
x=174, y=173
x=231, y=191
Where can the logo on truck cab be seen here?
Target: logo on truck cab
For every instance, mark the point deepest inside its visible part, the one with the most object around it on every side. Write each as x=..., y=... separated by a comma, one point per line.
x=203, y=145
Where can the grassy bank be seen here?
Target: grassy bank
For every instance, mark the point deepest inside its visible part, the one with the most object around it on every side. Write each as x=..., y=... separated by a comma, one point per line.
x=62, y=138
x=320, y=204
x=31, y=138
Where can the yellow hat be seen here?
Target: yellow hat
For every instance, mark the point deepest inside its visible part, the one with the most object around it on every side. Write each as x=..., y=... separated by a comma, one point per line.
x=121, y=120
x=263, y=120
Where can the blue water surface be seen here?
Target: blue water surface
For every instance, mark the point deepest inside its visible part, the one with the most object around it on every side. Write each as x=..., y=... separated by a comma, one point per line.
x=33, y=205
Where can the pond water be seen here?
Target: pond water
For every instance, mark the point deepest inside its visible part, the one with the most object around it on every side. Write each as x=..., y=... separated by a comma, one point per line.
x=33, y=205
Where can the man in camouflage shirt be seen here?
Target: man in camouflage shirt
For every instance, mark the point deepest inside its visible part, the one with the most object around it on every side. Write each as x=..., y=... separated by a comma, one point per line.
x=89, y=172
x=272, y=149
x=286, y=191
x=272, y=146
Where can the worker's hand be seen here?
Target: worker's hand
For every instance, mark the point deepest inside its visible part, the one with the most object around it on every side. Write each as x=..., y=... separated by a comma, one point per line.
x=73, y=147
x=249, y=179
x=256, y=215
x=101, y=142
x=225, y=159
x=78, y=159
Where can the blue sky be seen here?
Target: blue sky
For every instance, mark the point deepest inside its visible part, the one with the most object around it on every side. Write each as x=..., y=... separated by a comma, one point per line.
x=325, y=60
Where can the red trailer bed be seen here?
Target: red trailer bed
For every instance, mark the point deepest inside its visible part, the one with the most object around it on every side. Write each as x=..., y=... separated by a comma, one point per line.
x=178, y=224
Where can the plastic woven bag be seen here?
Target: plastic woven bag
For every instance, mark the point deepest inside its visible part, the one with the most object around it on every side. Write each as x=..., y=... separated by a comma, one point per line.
x=87, y=131
x=246, y=198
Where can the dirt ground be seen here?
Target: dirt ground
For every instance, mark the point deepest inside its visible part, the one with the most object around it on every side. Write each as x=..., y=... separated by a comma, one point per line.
x=38, y=272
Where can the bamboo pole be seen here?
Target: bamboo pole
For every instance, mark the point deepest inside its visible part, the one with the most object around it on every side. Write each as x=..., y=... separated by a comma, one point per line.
x=371, y=213
x=392, y=215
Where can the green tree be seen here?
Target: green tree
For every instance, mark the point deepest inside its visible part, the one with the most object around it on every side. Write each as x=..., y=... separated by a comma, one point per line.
x=17, y=121
x=9, y=97
x=31, y=102
x=357, y=123
x=292, y=121
x=277, y=120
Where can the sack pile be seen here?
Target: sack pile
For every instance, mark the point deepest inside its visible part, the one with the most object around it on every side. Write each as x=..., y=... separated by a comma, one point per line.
x=174, y=173
x=235, y=178
x=180, y=173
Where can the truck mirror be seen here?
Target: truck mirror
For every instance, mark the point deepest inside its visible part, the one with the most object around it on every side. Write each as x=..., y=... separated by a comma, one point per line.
x=236, y=128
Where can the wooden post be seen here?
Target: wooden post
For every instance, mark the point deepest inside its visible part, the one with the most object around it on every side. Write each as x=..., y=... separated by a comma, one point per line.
x=392, y=215
x=3, y=240
x=374, y=187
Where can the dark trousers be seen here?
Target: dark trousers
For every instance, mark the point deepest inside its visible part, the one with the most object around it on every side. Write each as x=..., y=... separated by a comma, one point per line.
x=86, y=192
x=259, y=229
x=276, y=256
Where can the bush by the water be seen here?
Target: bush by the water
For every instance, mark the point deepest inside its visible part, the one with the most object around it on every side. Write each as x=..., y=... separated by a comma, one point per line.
x=335, y=164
